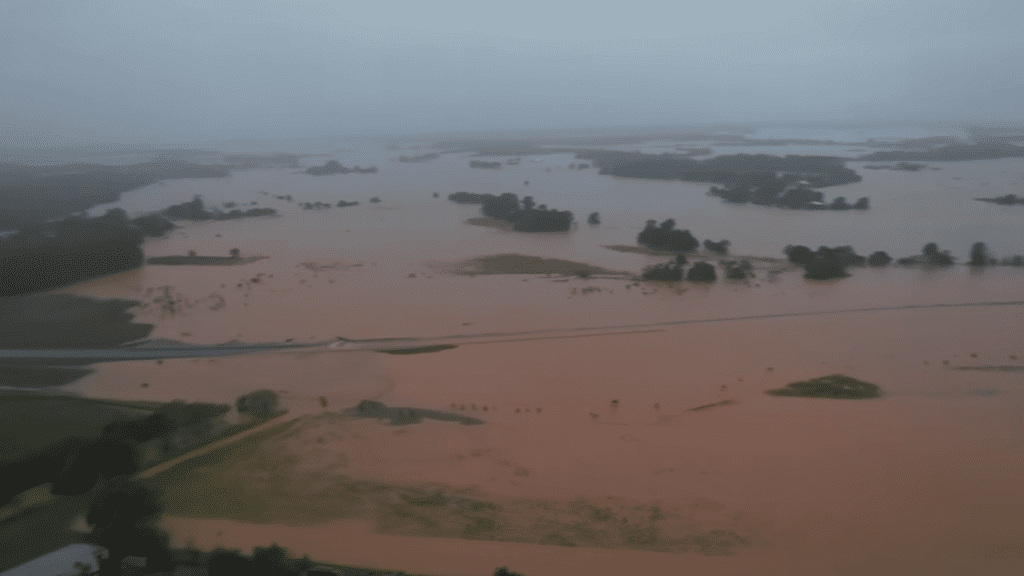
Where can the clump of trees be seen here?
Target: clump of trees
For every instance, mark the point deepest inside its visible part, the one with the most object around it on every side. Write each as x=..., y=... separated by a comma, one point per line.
x=665, y=272
x=124, y=519
x=374, y=200
x=195, y=210
x=525, y=215
x=44, y=256
x=667, y=237
x=826, y=263
x=483, y=164
x=738, y=270
x=879, y=258
x=833, y=386
x=594, y=219
x=720, y=247
x=729, y=170
x=930, y=254
x=776, y=193
x=344, y=204
x=335, y=167
x=316, y=206
x=1008, y=200
x=702, y=272
x=979, y=255
x=469, y=197
x=260, y=404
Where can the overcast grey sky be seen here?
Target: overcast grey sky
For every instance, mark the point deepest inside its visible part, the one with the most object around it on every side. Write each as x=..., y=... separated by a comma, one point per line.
x=126, y=70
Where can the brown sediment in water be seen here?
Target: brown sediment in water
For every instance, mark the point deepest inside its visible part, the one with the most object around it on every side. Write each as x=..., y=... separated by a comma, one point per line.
x=809, y=484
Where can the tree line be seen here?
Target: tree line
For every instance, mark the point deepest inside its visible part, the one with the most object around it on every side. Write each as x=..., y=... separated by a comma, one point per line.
x=44, y=256
x=729, y=170
x=782, y=195
x=194, y=210
x=335, y=167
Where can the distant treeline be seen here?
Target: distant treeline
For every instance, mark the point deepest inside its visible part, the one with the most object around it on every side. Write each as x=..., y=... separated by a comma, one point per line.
x=826, y=263
x=984, y=151
x=194, y=210
x=794, y=197
x=1008, y=200
x=40, y=193
x=729, y=170
x=904, y=166
x=251, y=161
x=335, y=167
x=74, y=464
x=484, y=164
x=524, y=214
x=421, y=158
x=45, y=256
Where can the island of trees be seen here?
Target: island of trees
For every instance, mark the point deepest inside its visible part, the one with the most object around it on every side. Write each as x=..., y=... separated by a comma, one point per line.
x=904, y=166
x=196, y=211
x=335, y=167
x=484, y=164
x=729, y=170
x=525, y=215
x=795, y=196
x=989, y=150
x=674, y=270
x=1008, y=200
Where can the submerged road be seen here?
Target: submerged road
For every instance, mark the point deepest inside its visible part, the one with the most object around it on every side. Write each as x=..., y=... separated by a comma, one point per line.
x=163, y=349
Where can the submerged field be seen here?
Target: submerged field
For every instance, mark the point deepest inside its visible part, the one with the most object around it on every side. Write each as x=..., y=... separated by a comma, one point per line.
x=624, y=423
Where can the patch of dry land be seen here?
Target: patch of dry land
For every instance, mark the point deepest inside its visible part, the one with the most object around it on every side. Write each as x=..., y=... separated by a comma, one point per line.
x=651, y=448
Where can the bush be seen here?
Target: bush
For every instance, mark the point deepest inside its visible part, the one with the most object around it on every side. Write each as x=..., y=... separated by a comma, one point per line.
x=666, y=237
x=879, y=258
x=801, y=255
x=668, y=272
x=702, y=272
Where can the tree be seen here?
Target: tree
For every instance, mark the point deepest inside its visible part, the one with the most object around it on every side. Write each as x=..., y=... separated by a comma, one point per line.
x=702, y=272
x=191, y=253
x=801, y=255
x=124, y=521
x=504, y=571
x=594, y=219
x=228, y=563
x=236, y=253
x=272, y=561
x=979, y=254
x=879, y=258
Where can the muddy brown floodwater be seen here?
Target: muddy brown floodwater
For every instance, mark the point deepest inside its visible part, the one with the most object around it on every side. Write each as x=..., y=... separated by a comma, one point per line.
x=591, y=458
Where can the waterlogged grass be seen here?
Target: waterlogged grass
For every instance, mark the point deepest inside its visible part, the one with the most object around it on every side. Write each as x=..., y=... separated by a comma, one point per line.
x=520, y=264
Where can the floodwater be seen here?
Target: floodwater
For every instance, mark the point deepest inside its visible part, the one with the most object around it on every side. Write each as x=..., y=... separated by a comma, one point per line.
x=925, y=479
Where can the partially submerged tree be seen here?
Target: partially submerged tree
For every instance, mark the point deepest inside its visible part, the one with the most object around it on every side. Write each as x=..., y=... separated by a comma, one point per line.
x=879, y=258
x=979, y=254
x=702, y=272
